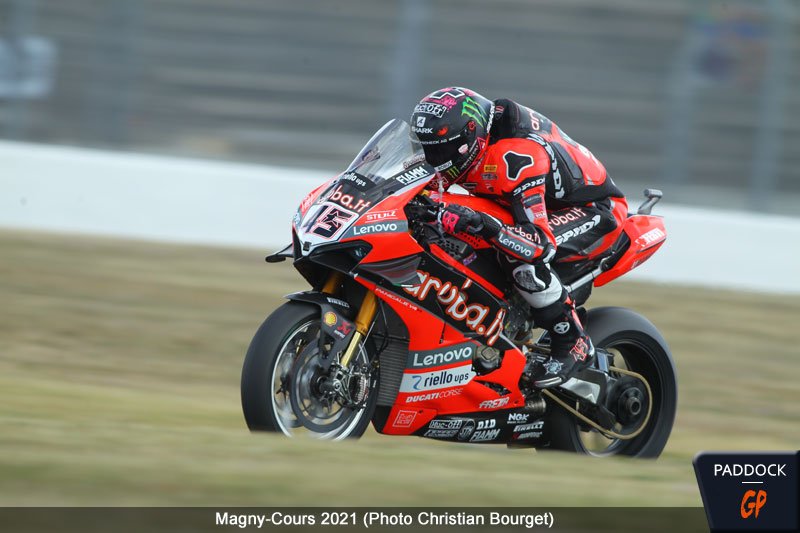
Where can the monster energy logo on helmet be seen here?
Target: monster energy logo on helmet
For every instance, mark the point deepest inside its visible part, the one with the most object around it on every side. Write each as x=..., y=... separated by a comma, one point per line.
x=473, y=110
x=452, y=172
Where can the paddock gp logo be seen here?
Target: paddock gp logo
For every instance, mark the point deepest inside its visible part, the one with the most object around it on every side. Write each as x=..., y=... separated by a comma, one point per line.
x=752, y=502
x=752, y=491
x=474, y=315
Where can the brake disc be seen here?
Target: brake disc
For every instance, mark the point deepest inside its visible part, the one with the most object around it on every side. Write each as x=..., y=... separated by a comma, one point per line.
x=316, y=410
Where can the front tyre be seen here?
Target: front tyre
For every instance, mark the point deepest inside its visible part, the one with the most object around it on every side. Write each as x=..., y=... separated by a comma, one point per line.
x=636, y=345
x=279, y=375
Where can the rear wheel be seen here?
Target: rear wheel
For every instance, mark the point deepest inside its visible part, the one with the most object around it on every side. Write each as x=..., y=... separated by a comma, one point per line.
x=282, y=380
x=633, y=344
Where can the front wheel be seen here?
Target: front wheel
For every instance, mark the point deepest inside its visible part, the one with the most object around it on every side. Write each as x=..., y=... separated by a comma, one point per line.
x=281, y=376
x=636, y=345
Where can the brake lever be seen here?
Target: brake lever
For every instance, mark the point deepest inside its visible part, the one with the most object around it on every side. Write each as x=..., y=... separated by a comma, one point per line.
x=427, y=212
x=426, y=209
x=438, y=215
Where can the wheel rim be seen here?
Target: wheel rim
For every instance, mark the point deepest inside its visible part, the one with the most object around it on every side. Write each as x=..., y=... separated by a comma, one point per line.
x=630, y=355
x=299, y=352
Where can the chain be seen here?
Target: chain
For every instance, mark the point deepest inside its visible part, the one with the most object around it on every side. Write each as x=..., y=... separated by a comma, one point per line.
x=607, y=432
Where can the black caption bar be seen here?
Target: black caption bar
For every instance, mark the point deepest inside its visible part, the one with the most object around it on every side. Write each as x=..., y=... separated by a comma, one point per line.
x=377, y=518
x=302, y=519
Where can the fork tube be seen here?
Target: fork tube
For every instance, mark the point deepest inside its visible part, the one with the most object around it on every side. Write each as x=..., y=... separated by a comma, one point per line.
x=334, y=280
x=367, y=313
x=363, y=320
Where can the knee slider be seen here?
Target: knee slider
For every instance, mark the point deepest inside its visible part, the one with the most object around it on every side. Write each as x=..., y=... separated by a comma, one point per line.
x=532, y=277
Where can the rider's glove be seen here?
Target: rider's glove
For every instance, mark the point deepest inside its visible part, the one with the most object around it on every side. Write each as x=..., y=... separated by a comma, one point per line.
x=457, y=218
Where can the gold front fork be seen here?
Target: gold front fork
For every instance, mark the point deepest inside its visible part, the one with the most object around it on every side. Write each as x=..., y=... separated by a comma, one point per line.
x=363, y=320
x=334, y=280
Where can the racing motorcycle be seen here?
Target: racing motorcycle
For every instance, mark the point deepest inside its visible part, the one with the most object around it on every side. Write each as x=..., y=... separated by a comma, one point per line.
x=420, y=332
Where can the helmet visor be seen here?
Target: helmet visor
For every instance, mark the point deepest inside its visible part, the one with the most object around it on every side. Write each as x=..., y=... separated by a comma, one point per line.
x=439, y=154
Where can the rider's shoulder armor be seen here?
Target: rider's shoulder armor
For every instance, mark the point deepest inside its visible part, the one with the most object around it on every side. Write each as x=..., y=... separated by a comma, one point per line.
x=512, y=120
x=507, y=165
x=573, y=174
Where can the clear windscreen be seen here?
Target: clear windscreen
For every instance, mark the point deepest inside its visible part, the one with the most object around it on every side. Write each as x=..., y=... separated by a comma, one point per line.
x=391, y=160
x=393, y=149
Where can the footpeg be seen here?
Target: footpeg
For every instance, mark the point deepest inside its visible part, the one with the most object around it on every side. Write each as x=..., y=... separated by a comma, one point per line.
x=584, y=389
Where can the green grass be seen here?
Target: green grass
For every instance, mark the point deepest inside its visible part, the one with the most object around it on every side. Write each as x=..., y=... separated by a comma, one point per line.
x=119, y=385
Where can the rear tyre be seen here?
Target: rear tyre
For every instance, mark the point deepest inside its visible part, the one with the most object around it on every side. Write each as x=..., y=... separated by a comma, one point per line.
x=277, y=375
x=637, y=345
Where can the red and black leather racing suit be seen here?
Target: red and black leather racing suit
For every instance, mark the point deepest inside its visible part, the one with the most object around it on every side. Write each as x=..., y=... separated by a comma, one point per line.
x=562, y=200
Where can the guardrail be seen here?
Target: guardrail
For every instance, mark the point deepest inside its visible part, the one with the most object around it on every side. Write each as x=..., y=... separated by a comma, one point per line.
x=209, y=202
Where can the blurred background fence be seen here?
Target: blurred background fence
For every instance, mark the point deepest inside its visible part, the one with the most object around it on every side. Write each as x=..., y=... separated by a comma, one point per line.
x=698, y=98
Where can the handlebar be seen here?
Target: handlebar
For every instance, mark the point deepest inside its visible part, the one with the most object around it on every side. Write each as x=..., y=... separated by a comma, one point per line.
x=422, y=208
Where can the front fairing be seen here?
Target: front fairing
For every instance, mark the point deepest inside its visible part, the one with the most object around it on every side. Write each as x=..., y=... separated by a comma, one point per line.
x=356, y=223
x=368, y=198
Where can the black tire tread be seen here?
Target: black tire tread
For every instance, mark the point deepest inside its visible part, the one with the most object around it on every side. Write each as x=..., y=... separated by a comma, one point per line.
x=605, y=324
x=256, y=382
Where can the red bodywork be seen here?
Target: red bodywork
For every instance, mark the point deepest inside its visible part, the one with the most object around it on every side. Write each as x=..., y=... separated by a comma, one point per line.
x=452, y=388
x=646, y=233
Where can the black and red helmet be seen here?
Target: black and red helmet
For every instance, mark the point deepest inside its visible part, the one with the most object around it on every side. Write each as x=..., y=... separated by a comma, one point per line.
x=452, y=125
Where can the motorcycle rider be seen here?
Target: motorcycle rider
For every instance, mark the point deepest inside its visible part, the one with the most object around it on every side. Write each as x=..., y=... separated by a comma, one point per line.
x=560, y=196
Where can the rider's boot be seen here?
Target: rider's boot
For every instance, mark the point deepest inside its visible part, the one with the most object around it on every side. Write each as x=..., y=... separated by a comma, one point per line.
x=571, y=348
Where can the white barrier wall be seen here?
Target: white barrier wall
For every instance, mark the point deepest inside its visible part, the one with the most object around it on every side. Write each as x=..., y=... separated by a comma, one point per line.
x=150, y=197
x=194, y=201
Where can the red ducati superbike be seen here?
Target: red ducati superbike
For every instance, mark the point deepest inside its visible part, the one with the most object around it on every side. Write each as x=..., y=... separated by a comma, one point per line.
x=421, y=333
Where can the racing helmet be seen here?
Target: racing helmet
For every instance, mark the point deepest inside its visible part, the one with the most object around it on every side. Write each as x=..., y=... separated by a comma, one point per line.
x=452, y=125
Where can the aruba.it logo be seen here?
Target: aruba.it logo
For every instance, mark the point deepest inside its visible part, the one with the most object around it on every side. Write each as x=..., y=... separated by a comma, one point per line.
x=749, y=491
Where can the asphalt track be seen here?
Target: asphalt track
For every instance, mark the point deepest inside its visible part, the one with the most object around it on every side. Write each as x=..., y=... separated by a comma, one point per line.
x=119, y=375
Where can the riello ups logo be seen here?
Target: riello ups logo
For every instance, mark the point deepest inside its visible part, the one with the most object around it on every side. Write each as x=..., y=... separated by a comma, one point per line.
x=755, y=491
